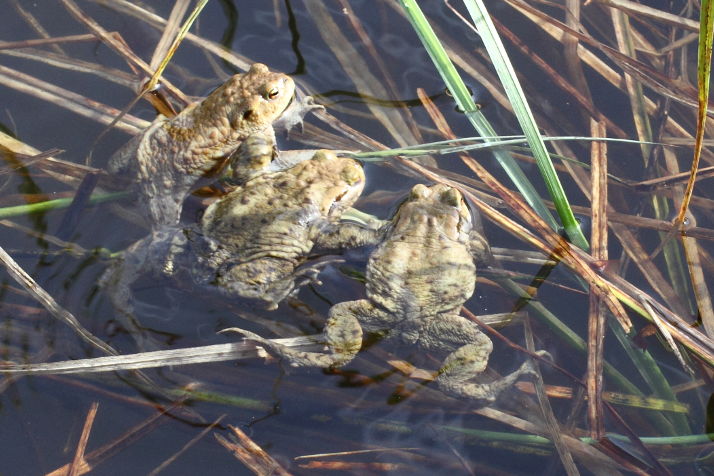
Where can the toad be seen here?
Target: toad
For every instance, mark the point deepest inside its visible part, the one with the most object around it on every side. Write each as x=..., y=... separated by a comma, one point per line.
x=168, y=158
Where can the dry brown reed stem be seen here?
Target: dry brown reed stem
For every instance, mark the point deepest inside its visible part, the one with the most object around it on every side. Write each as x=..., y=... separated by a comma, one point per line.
x=558, y=31
x=185, y=447
x=35, y=24
x=119, y=47
x=633, y=87
x=112, y=75
x=69, y=100
x=65, y=172
x=673, y=179
x=250, y=454
x=692, y=338
x=589, y=455
x=78, y=461
x=643, y=10
x=353, y=467
x=558, y=80
x=596, y=315
x=572, y=60
x=359, y=71
x=66, y=246
x=11, y=45
x=94, y=458
x=647, y=223
x=555, y=431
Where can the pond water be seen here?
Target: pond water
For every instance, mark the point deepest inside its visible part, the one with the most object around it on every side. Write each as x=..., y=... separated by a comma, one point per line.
x=364, y=63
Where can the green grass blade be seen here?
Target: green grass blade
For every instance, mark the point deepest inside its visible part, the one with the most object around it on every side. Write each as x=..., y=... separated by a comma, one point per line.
x=464, y=100
x=704, y=67
x=507, y=75
x=646, y=365
x=58, y=203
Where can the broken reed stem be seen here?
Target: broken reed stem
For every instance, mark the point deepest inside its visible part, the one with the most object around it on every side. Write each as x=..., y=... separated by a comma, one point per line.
x=130, y=436
x=11, y=45
x=251, y=454
x=596, y=316
x=76, y=468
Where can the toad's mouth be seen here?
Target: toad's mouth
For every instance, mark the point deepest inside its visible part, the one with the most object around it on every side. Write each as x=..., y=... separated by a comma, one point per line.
x=290, y=103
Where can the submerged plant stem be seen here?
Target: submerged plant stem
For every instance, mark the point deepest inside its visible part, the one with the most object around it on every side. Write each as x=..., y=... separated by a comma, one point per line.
x=56, y=204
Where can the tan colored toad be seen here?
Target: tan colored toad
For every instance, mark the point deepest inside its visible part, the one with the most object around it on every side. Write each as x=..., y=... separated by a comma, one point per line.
x=172, y=155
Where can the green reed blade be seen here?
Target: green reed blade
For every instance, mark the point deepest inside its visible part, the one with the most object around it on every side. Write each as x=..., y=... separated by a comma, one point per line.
x=507, y=75
x=464, y=101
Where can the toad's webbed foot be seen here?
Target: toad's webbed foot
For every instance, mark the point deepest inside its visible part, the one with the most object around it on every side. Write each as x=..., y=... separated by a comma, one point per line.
x=307, y=273
x=301, y=105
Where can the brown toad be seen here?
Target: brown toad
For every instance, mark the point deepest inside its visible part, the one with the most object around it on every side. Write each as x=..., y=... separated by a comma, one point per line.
x=253, y=242
x=417, y=280
x=172, y=155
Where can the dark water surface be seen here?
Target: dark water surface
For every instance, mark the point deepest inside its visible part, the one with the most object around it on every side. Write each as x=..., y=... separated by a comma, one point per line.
x=289, y=413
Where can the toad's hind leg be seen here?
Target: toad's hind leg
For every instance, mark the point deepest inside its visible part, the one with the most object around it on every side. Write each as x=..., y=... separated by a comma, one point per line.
x=468, y=361
x=342, y=334
x=463, y=364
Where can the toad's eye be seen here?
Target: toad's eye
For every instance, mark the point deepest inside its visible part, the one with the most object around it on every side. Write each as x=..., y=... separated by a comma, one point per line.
x=273, y=93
